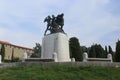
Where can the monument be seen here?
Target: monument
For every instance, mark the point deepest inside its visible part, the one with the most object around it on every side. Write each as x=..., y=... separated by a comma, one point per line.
x=55, y=45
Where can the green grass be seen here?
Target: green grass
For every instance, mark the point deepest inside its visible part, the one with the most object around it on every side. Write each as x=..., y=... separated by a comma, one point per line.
x=60, y=73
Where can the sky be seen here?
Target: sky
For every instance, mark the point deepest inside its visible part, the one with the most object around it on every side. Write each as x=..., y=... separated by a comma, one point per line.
x=91, y=21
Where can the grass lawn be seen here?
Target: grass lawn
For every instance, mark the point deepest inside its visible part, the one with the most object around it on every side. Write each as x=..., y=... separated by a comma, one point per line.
x=60, y=73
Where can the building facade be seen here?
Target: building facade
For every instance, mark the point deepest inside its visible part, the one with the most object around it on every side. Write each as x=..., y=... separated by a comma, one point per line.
x=15, y=50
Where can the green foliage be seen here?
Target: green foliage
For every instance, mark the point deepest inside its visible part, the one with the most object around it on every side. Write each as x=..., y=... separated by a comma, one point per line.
x=117, y=54
x=106, y=50
x=110, y=50
x=96, y=51
x=99, y=51
x=13, y=60
x=7, y=61
x=75, y=49
x=84, y=49
x=60, y=73
x=92, y=52
x=16, y=59
x=37, y=51
x=2, y=52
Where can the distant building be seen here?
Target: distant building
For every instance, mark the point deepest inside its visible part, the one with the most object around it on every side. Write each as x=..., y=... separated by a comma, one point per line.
x=17, y=51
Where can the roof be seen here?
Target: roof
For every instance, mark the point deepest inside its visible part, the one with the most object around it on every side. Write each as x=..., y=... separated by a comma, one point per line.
x=4, y=42
x=8, y=43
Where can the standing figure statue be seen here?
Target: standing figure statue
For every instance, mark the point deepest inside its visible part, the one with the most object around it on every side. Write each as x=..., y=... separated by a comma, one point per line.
x=48, y=20
x=54, y=24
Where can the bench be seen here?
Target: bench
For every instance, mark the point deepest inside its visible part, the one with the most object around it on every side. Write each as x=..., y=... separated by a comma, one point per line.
x=86, y=59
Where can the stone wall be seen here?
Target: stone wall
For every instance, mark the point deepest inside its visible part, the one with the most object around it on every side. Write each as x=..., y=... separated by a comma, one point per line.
x=108, y=64
x=18, y=52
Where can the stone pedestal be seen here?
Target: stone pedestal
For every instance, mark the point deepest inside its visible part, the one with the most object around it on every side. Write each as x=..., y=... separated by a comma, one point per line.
x=24, y=57
x=56, y=43
x=85, y=57
x=109, y=56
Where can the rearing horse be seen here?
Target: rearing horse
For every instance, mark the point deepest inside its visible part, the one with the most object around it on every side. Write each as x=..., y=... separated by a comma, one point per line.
x=60, y=21
x=54, y=24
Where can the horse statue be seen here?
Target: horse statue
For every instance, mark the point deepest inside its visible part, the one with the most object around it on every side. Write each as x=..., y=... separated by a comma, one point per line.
x=54, y=24
x=60, y=20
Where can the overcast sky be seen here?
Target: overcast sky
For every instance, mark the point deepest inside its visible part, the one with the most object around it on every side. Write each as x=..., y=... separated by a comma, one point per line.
x=91, y=21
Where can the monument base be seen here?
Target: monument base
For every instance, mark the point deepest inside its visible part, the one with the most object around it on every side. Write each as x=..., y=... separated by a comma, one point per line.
x=56, y=46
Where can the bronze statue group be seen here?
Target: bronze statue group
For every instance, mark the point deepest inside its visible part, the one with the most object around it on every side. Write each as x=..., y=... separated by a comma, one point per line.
x=54, y=24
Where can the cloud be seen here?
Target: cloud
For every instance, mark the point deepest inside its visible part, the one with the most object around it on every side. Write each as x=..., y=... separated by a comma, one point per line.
x=89, y=20
x=2, y=31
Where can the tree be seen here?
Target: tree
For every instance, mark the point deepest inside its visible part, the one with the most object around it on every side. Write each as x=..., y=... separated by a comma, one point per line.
x=96, y=51
x=117, y=54
x=37, y=51
x=112, y=53
x=84, y=49
x=75, y=49
x=100, y=53
x=2, y=52
x=92, y=52
x=110, y=50
x=106, y=51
